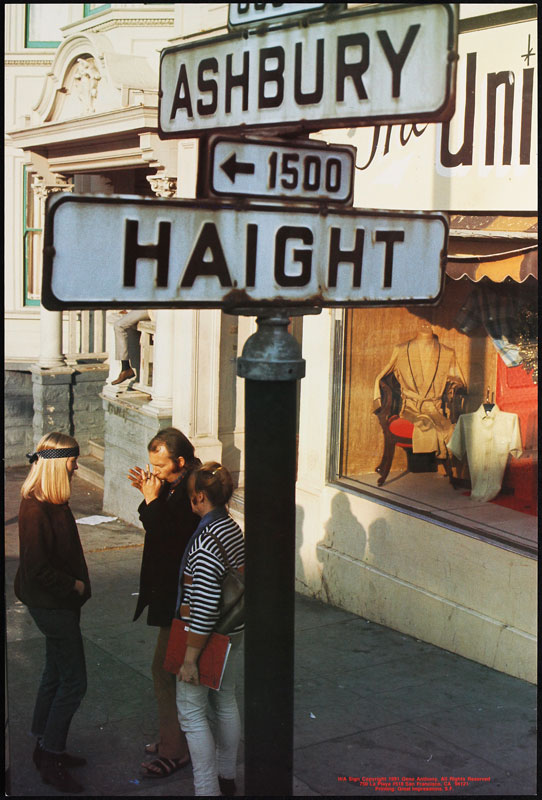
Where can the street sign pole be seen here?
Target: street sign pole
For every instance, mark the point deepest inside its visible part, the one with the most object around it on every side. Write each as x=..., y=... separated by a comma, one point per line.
x=271, y=363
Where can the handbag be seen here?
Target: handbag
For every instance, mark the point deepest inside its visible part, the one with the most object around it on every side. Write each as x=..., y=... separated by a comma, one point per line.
x=232, y=597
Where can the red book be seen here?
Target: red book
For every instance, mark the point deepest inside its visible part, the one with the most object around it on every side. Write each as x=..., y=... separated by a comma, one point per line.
x=212, y=660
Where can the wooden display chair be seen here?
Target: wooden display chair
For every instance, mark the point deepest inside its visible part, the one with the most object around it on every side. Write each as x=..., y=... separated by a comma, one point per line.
x=398, y=431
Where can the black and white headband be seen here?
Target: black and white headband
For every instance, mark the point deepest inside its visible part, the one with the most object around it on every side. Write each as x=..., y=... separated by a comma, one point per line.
x=57, y=452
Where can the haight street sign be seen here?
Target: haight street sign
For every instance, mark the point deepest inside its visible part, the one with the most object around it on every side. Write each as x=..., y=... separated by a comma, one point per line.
x=126, y=251
x=296, y=171
x=396, y=63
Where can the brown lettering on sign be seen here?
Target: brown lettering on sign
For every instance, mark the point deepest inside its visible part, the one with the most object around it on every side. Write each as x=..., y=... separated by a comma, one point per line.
x=271, y=75
x=252, y=244
x=208, y=243
x=237, y=80
x=390, y=238
x=207, y=85
x=303, y=257
x=185, y=101
x=338, y=256
x=355, y=70
x=304, y=98
x=133, y=250
x=397, y=60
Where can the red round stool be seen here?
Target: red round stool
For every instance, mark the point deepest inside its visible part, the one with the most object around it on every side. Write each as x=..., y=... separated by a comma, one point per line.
x=403, y=428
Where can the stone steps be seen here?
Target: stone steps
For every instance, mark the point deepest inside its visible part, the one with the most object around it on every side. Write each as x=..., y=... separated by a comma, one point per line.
x=91, y=466
x=97, y=448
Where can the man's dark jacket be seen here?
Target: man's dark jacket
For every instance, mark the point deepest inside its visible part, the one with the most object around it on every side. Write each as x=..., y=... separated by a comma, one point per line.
x=169, y=523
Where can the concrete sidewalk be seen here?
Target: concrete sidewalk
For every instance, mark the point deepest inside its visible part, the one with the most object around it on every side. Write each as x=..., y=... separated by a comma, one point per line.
x=376, y=712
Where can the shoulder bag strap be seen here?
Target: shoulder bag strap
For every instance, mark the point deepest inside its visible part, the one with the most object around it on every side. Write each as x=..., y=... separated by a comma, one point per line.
x=221, y=548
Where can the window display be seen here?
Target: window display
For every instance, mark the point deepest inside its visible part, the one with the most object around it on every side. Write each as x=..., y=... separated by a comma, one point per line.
x=423, y=366
x=410, y=423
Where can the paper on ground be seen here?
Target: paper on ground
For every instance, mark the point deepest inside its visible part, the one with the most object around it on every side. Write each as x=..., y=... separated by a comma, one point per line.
x=95, y=519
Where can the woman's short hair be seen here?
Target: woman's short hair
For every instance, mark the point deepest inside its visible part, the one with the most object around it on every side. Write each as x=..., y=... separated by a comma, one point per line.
x=175, y=442
x=48, y=479
x=214, y=480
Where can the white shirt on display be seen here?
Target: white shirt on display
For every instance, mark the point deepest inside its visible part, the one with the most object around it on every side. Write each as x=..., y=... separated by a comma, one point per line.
x=487, y=437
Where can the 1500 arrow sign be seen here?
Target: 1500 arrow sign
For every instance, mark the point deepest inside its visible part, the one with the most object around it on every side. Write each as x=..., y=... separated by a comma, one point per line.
x=115, y=251
x=395, y=63
x=297, y=171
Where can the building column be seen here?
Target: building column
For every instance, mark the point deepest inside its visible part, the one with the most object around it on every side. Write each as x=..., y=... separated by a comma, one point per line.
x=196, y=376
x=51, y=354
x=51, y=378
x=162, y=378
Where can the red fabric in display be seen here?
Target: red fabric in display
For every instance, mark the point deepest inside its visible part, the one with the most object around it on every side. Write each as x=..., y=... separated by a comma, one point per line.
x=402, y=427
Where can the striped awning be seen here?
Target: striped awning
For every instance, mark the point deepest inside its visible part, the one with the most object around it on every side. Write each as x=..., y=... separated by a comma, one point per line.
x=517, y=267
x=495, y=248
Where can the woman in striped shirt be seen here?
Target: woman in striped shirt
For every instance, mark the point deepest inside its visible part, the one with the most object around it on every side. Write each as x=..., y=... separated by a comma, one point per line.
x=202, y=570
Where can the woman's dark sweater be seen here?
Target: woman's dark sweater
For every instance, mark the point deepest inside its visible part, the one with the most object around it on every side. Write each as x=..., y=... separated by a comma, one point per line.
x=51, y=557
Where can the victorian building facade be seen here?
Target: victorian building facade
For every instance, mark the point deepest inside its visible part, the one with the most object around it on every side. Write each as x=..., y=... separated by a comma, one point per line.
x=412, y=552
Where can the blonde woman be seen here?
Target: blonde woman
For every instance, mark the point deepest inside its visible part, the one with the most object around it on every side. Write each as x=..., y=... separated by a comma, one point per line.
x=52, y=580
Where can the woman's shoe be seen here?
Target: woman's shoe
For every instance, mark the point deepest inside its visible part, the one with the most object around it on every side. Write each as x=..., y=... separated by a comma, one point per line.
x=227, y=786
x=53, y=771
x=36, y=755
x=66, y=758
x=72, y=761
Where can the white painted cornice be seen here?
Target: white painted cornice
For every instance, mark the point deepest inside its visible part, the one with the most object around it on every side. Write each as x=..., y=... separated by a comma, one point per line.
x=98, y=126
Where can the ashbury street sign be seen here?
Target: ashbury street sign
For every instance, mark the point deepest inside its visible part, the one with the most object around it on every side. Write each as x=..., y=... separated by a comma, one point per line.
x=126, y=251
x=392, y=64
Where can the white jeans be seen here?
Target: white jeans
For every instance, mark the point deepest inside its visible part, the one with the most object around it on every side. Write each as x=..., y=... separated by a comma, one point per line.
x=123, y=324
x=213, y=744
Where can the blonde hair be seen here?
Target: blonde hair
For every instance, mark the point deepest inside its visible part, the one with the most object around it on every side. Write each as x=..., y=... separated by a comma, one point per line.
x=213, y=480
x=48, y=479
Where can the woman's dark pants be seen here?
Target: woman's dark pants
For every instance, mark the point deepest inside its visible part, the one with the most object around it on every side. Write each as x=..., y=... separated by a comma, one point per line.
x=64, y=680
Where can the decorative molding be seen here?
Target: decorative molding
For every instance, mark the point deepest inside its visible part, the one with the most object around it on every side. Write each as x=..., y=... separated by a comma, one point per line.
x=24, y=61
x=89, y=76
x=161, y=155
x=86, y=80
x=110, y=124
x=133, y=23
x=162, y=185
x=45, y=181
x=42, y=190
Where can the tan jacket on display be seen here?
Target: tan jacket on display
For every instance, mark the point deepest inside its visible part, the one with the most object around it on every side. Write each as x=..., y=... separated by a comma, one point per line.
x=423, y=370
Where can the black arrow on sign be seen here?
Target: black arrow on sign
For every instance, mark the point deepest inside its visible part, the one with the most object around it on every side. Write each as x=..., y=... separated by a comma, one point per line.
x=231, y=167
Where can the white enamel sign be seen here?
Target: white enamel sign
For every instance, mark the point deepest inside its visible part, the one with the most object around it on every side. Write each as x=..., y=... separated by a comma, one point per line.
x=125, y=251
x=254, y=13
x=297, y=171
x=368, y=65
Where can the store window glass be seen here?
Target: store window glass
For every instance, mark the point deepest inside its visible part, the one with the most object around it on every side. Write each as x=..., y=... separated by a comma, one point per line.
x=436, y=407
x=43, y=23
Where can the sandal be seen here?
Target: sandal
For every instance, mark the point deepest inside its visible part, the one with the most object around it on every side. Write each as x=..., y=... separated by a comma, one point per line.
x=164, y=767
x=152, y=749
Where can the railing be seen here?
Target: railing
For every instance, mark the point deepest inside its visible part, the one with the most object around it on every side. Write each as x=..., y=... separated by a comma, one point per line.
x=86, y=337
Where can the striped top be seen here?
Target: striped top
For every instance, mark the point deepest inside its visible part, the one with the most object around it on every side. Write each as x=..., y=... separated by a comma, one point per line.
x=203, y=574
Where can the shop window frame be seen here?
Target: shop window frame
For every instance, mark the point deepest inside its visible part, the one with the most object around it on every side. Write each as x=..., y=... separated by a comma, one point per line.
x=380, y=495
